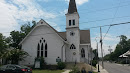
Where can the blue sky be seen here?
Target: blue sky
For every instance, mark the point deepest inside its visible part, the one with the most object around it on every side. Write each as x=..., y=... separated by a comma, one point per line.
x=14, y=13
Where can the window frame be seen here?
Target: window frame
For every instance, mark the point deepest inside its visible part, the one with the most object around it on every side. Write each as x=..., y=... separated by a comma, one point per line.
x=73, y=21
x=42, y=48
x=38, y=50
x=72, y=46
x=69, y=22
x=83, y=53
x=46, y=50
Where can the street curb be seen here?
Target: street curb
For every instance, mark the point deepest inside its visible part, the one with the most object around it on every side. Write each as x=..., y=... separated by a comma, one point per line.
x=101, y=69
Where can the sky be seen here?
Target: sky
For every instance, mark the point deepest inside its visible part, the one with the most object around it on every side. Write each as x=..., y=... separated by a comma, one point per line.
x=14, y=13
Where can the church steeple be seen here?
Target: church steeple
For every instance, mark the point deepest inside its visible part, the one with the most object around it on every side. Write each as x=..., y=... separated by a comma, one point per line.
x=72, y=7
x=73, y=32
x=72, y=17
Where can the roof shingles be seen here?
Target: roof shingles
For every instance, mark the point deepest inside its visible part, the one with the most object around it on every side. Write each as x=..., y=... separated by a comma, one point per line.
x=84, y=36
x=72, y=7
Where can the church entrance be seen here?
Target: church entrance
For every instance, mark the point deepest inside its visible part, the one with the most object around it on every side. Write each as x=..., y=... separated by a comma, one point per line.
x=83, y=55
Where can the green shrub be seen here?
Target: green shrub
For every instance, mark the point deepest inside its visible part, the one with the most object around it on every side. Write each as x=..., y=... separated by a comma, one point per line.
x=42, y=62
x=61, y=65
x=94, y=62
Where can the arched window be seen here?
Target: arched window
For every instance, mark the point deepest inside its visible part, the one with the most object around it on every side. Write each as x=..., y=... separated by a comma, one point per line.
x=72, y=46
x=82, y=53
x=38, y=50
x=42, y=48
x=45, y=50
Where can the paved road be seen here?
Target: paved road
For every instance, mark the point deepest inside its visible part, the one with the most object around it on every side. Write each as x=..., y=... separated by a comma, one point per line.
x=116, y=68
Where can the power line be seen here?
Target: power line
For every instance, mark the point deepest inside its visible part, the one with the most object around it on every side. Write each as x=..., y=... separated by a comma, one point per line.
x=95, y=10
x=107, y=32
x=94, y=21
x=104, y=19
x=96, y=26
x=111, y=22
x=82, y=9
x=104, y=8
x=108, y=25
x=97, y=20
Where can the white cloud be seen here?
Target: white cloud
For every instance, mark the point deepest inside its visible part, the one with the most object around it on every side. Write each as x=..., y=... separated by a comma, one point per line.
x=29, y=9
x=12, y=11
x=79, y=2
x=7, y=21
x=110, y=40
x=43, y=0
x=54, y=25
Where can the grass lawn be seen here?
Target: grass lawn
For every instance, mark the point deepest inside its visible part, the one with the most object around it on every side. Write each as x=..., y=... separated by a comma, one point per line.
x=47, y=71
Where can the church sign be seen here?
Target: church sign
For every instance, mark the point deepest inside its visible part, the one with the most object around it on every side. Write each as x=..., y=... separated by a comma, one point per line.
x=37, y=64
x=58, y=59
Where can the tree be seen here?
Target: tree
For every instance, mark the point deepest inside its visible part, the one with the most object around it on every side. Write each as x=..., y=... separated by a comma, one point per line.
x=26, y=28
x=122, y=47
x=15, y=55
x=3, y=45
x=95, y=54
x=16, y=37
x=95, y=59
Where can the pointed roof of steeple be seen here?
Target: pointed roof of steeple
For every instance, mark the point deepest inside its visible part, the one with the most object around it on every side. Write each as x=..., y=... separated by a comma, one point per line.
x=72, y=7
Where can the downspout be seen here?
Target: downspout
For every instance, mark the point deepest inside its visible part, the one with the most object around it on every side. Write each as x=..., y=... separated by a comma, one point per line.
x=62, y=51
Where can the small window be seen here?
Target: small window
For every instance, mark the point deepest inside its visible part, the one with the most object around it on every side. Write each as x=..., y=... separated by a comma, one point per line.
x=41, y=22
x=69, y=22
x=73, y=22
x=72, y=46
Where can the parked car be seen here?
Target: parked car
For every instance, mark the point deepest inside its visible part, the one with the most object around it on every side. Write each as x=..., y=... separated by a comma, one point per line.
x=15, y=69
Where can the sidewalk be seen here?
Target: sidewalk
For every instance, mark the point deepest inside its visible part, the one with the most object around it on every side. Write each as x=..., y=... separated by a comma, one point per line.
x=101, y=70
x=123, y=64
x=66, y=71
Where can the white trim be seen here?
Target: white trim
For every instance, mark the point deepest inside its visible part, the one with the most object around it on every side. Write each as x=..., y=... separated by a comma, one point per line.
x=35, y=28
x=84, y=44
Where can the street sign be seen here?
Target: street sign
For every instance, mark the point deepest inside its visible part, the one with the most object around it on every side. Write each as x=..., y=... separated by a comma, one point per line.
x=109, y=49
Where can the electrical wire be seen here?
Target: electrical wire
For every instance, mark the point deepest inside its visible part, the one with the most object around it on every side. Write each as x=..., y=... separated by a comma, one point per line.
x=112, y=21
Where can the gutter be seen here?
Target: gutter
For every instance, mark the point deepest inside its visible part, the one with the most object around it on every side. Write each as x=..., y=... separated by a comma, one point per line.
x=62, y=51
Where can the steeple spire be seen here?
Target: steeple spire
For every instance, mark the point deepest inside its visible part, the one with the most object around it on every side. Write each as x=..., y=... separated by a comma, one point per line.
x=72, y=7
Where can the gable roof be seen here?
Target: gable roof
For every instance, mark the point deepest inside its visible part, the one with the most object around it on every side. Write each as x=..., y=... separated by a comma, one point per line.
x=84, y=36
x=62, y=34
x=72, y=7
x=42, y=25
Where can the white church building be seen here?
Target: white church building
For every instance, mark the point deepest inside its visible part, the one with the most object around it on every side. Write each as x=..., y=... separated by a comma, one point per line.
x=73, y=45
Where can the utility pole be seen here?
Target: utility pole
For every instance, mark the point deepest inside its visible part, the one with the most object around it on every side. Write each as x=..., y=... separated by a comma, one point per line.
x=97, y=55
x=110, y=49
x=121, y=46
x=101, y=46
x=91, y=60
